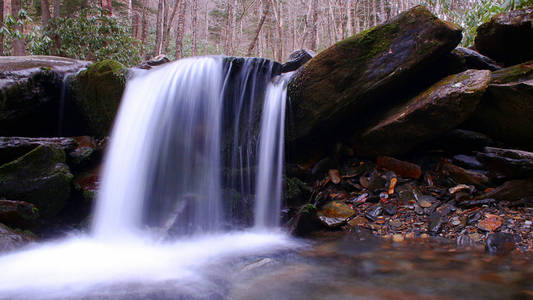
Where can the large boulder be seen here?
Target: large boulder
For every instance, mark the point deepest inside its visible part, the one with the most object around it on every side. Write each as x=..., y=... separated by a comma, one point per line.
x=97, y=92
x=506, y=111
x=365, y=72
x=441, y=108
x=507, y=37
x=30, y=92
x=40, y=177
x=12, y=148
x=18, y=213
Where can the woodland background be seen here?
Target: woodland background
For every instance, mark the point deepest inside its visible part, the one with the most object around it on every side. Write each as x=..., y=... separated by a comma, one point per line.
x=132, y=30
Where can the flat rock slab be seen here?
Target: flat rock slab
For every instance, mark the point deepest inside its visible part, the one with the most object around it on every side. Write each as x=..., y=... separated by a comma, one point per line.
x=343, y=81
x=11, y=239
x=507, y=37
x=510, y=162
x=441, y=108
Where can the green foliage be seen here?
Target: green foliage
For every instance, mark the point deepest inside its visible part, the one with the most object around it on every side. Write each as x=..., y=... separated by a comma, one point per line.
x=11, y=30
x=89, y=35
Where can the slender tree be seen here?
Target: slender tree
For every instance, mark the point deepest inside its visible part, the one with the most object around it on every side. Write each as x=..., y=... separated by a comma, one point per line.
x=180, y=30
x=19, y=47
x=45, y=12
x=1, y=25
x=159, y=27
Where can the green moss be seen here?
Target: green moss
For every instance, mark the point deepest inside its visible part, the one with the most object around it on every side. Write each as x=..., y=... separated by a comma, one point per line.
x=517, y=73
x=371, y=42
x=308, y=209
x=97, y=93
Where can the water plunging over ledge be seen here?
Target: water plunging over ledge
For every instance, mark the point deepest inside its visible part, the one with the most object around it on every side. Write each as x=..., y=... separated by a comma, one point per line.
x=184, y=144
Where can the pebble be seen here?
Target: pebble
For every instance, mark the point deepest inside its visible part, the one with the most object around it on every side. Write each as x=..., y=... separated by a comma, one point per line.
x=397, y=238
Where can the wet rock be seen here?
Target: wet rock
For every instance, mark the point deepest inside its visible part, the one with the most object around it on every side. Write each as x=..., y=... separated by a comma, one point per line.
x=97, y=92
x=439, y=109
x=473, y=203
x=374, y=182
x=435, y=223
x=461, y=175
x=401, y=168
x=306, y=221
x=465, y=241
x=40, y=177
x=507, y=37
x=464, y=59
x=30, y=91
x=13, y=239
x=390, y=207
x=297, y=59
x=344, y=81
x=374, y=213
x=474, y=217
x=336, y=209
x=87, y=184
x=155, y=61
x=84, y=153
x=296, y=191
x=500, y=243
x=510, y=191
x=397, y=238
x=17, y=213
x=506, y=109
x=324, y=166
x=13, y=147
x=461, y=188
x=512, y=163
x=490, y=223
x=332, y=223
x=466, y=161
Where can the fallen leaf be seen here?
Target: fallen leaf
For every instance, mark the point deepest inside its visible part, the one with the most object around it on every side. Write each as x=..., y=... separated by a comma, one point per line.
x=392, y=185
x=490, y=223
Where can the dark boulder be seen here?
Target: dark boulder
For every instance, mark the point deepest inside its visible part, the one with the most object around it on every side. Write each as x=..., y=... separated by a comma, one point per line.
x=40, y=177
x=507, y=37
x=297, y=59
x=306, y=221
x=17, y=213
x=97, y=92
x=500, y=243
x=11, y=239
x=439, y=109
x=462, y=141
x=30, y=92
x=511, y=191
x=506, y=109
x=12, y=148
x=349, y=79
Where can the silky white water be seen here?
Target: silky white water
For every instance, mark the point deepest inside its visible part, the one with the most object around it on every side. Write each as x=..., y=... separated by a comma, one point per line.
x=160, y=213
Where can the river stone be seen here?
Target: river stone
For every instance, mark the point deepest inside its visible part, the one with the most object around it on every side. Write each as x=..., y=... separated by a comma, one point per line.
x=366, y=70
x=512, y=163
x=507, y=37
x=30, y=90
x=11, y=239
x=439, y=109
x=506, y=109
x=297, y=59
x=512, y=190
x=40, y=177
x=97, y=92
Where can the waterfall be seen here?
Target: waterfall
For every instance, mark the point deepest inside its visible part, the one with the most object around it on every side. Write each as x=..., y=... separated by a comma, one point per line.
x=186, y=134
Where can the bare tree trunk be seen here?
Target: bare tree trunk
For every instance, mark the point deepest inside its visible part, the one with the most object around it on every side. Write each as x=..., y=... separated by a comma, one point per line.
x=229, y=30
x=135, y=25
x=19, y=48
x=383, y=16
x=307, y=21
x=107, y=5
x=374, y=13
x=167, y=24
x=45, y=12
x=332, y=24
x=206, y=28
x=314, y=26
x=180, y=30
x=159, y=28
x=144, y=23
x=277, y=7
x=194, y=26
x=57, y=9
x=356, y=17
x=259, y=27
x=1, y=25
x=349, y=21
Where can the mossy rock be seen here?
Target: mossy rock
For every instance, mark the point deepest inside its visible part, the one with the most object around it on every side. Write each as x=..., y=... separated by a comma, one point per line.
x=97, y=92
x=507, y=37
x=345, y=82
x=506, y=111
x=40, y=177
x=11, y=239
x=439, y=109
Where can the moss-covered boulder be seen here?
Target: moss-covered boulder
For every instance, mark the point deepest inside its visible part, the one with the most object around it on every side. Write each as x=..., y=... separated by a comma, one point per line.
x=18, y=213
x=30, y=92
x=40, y=177
x=441, y=108
x=345, y=82
x=507, y=37
x=97, y=92
x=506, y=111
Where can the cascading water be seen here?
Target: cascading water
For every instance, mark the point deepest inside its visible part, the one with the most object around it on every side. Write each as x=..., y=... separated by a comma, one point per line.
x=184, y=158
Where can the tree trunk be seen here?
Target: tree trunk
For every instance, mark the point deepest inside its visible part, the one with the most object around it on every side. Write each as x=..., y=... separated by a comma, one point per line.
x=194, y=12
x=180, y=30
x=356, y=18
x=19, y=48
x=45, y=12
x=314, y=26
x=107, y=5
x=374, y=12
x=229, y=30
x=167, y=25
x=57, y=9
x=1, y=25
x=383, y=15
x=159, y=28
x=262, y=19
x=349, y=21
x=277, y=7
x=144, y=23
